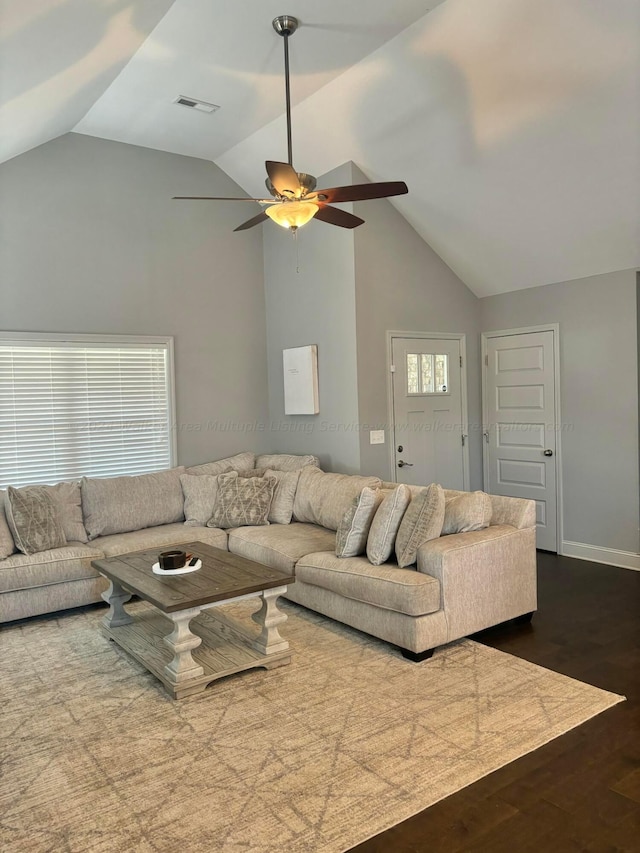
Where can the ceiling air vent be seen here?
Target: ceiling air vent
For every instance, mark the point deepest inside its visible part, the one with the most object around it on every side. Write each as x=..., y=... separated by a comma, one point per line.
x=195, y=104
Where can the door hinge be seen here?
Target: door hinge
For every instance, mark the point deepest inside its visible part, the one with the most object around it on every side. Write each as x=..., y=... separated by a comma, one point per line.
x=464, y=438
x=392, y=368
x=460, y=361
x=486, y=360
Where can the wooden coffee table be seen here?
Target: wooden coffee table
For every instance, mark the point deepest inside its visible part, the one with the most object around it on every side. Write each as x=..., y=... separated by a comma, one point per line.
x=179, y=639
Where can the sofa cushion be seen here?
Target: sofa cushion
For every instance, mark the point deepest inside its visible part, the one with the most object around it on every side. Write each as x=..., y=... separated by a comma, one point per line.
x=160, y=537
x=467, y=512
x=285, y=461
x=324, y=498
x=120, y=504
x=353, y=530
x=403, y=590
x=34, y=519
x=7, y=545
x=384, y=528
x=58, y=565
x=200, y=493
x=421, y=522
x=68, y=497
x=280, y=546
x=239, y=462
x=242, y=501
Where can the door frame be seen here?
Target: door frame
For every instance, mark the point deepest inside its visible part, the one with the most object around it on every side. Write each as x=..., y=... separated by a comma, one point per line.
x=524, y=330
x=448, y=336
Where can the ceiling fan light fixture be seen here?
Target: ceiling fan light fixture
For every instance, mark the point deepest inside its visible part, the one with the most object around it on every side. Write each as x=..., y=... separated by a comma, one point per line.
x=292, y=214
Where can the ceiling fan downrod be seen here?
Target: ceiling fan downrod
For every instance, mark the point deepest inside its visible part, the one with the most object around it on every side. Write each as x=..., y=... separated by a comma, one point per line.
x=285, y=26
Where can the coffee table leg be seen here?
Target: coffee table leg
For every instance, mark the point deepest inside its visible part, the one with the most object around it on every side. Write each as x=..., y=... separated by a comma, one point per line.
x=269, y=617
x=181, y=642
x=116, y=597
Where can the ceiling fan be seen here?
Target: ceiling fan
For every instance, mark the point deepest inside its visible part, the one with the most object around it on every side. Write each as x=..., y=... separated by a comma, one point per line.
x=295, y=199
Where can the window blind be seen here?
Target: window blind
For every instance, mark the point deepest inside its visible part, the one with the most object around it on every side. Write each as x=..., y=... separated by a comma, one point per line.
x=72, y=409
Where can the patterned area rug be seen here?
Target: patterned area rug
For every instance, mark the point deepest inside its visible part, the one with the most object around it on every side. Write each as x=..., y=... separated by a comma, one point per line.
x=346, y=741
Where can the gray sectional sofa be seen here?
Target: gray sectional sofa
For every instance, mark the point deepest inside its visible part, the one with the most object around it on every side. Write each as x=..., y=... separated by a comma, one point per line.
x=460, y=583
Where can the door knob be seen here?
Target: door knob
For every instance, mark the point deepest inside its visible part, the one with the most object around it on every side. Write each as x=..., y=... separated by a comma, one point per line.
x=402, y=464
x=548, y=453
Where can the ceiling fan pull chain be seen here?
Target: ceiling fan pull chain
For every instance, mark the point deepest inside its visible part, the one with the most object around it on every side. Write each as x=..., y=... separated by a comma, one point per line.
x=295, y=237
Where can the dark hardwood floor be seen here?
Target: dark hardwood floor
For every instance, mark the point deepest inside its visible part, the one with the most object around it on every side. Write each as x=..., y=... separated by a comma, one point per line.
x=581, y=792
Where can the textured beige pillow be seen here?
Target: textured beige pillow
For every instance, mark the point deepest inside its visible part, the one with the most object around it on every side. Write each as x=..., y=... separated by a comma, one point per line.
x=240, y=462
x=200, y=493
x=324, y=498
x=353, y=530
x=284, y=495
x=68, y=497
x=466, y=512
x=34, y=519
x=386, y=522
x=242, y=501
x=121, y=504
x=421, y=522
x=7, y=545
x=285, y=461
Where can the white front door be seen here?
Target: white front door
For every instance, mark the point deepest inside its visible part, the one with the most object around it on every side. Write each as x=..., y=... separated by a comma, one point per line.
x=520, y=424
x=428, y=430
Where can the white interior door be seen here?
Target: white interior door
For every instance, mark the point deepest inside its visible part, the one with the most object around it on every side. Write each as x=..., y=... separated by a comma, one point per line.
x=428, y=429
x=520, y=423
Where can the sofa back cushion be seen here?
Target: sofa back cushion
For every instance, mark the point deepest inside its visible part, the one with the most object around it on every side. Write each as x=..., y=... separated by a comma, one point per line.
x=121, y=504
x=324, y=498
x=239, y=462
x=467, y=511
x=285, y=461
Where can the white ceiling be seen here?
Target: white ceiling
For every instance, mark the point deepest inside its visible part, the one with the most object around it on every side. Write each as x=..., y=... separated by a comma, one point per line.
x=516, y=124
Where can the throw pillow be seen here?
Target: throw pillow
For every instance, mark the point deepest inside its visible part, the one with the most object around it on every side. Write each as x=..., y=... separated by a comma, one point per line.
x=240, y=462
x=200, y=493
x=7, y=545
x=284, y=495
x=353, y=530
x=466, y=512
x=421, y=522
x=68, y=497
x=242, y=502
x=386, y=521
x=34, y=519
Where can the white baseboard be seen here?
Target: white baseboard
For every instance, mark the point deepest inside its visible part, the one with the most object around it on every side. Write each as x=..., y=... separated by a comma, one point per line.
x=596, y=554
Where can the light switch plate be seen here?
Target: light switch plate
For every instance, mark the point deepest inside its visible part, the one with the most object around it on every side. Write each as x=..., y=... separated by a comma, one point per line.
x=376, y=436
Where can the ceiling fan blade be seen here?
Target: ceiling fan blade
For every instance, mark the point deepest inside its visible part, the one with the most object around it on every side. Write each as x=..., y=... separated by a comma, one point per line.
x=362, y=192
x=251, y=222
x=335, y=216
x=284, y=178
x=220, y=198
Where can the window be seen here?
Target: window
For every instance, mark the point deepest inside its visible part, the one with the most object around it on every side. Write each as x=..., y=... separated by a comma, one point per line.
x=84, y=405
x=427, y=373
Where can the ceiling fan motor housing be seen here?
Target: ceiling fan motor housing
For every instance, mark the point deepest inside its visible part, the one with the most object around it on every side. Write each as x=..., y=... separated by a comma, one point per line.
x=285, y=25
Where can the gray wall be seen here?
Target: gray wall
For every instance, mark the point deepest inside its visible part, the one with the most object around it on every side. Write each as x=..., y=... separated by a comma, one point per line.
x=92, y=242
x=599, y=398
x=402, y=285
x=310, y=299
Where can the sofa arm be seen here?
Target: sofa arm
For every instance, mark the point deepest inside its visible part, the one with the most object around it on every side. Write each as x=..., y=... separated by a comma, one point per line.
x=486, y=577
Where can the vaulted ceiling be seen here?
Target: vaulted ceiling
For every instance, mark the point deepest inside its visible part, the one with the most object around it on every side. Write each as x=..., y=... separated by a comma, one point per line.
x=516, y=124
